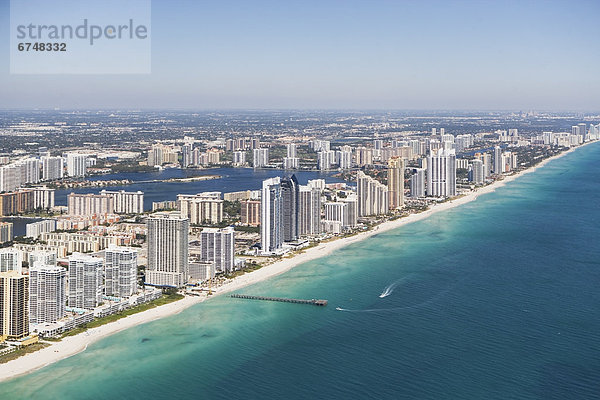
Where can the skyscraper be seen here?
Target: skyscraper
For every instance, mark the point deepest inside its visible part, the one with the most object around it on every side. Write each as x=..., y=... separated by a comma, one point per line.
x=85, y=281
x=261, y=158
x=201, y=208
x=441, y=173
x=476, y=172
x=344, y=157
x=52, y=168
x=498, y=160
x=186, y=155
x=76, y=164
x=47, y=293
x=167, y=249
x=217, y=246
x=14, y=312
x=289, y=207
x=126, y=202
x=309, y=210
x=396, y=182
x=79, y=204
x=250, y=213
x=271, y=216
x=6, y=231
x=372, y=196
x=239, y=157
x=11, y=259
x=417, y=183
x=120, y=271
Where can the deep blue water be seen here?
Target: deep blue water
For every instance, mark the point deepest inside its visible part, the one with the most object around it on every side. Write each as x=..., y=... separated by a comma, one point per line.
x=233, y=179
x=496, y=299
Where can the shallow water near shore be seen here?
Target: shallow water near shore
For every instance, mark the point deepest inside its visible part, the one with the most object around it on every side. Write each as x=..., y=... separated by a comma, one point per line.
x=495, y=299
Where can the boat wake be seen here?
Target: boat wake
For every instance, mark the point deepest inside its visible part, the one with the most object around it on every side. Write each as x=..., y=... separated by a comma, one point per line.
x=429, y=301
x=390, y=289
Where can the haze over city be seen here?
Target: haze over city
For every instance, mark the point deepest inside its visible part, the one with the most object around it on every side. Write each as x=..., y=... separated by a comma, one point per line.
x=515, y=55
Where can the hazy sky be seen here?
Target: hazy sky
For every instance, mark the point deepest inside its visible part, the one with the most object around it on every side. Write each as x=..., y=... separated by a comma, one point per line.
x=344, y=54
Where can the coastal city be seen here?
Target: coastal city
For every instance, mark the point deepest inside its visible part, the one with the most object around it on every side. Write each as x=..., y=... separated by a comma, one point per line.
x=107, y=215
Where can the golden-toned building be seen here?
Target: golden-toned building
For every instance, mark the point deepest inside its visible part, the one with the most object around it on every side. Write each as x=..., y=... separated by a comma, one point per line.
x=14, y=310
x=396, y=182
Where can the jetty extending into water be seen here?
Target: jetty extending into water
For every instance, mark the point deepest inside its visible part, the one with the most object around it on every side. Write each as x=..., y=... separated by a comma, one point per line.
x=314, y=302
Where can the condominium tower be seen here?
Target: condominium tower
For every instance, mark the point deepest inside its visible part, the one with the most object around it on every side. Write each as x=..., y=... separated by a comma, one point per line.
x=167, y=249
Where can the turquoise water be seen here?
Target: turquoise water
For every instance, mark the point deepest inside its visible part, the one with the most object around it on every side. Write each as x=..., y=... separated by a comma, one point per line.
x=497, y=299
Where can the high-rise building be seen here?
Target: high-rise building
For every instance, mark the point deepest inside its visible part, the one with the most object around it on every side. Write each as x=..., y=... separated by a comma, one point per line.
x=498, y=160
x=14, y=310
x=372, y=196
x=120, y=271
x=441, y=173
x=396, y=182
x=52, y=168
x=271, y=216
x=6, y=232
x=343, y=212
x=476, y=173
x=291, y=163
x=76, y=164
x=41, y=256
x=239, y=158
x=289, y=207
x=186, y=155
x=250, y=212
x=126, y=202
x=32, y=170
x=47, y=293
x=320, y=145
x=417, y=183
x=35, y=229
x=309, y=210
x=11, y=177
x=218, y=246
x=201, y=208
x=89, y=204
x=344, y=157
x=261, y=157
x=291, y=150
x=85, y=281
x=167, y=249
x=364, y=156
x=11, y=259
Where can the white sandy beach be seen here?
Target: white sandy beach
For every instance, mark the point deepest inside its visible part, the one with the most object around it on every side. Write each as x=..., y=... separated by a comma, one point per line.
x=74, y=344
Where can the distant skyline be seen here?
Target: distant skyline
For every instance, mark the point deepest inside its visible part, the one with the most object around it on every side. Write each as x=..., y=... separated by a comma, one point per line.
x=484, y=55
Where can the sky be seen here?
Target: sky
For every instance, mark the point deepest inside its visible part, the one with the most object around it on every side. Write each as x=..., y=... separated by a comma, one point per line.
x=329, y=54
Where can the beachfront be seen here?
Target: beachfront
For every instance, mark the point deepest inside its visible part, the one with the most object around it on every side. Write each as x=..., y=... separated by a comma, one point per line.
x=75, y=344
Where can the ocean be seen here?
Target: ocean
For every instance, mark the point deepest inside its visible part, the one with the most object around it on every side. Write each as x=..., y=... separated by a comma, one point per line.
x=495, y=299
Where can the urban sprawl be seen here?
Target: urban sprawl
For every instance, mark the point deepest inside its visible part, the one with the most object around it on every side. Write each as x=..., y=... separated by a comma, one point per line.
x=102, y=253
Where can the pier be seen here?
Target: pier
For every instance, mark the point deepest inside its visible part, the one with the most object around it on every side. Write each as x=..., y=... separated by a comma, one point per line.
x=314, y=302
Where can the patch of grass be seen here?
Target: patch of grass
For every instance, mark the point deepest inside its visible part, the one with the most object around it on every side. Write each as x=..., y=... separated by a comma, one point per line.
x=22, y=351
x=249, y=268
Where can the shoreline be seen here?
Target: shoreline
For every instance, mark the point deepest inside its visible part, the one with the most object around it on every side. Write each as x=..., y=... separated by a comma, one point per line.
x=72, y=345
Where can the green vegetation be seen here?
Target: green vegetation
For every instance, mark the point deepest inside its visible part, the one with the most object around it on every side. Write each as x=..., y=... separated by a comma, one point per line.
x=169, y=297
x=253, y=266
x=131, y=167
x=232, y=209
x=21, y=352
x=250, y=229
